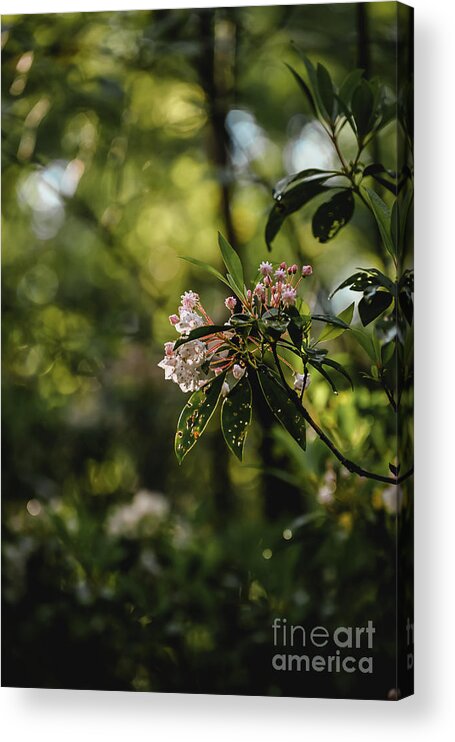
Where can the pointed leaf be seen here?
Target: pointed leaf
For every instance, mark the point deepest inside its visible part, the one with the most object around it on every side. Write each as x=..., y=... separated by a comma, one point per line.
x=206, y=267
x=325, y=89
x=349, y=84
x=320, y=108
x=365, y=341
x=195, y=416
x=282, y=406
x=330, y=333
x=236, y=416
x=362, y=105
x=232, y=262
x=382, y=215
x=303, y=86
x=338, y=367
x=309, y=174
x=317, y=365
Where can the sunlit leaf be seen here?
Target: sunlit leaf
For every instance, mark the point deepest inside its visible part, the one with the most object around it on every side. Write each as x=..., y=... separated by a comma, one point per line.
x=195, y=416
x=232, y=263
x=206, y=267
x=330, y=333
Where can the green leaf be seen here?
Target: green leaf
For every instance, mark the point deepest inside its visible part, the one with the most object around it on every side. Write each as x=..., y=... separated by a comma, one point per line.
x=348, y=86
x=331, y=319
x=200, y=332
x=243, y=323
x=330, y=333
x=382, y=215
x=304, y=87
x=319, y=367
x=206, y=267
x=297, y=325
x=346, y=112
x=282, y=406
x=362, y=105
x=309, y=174
x=332, y=215
x=236, y=416
x=356, y=282
x=232, y=263
x=338, y=367
x=406, y=304
x=371, y=307
x=195, y=416
x=325, y=89
x=365, y=341
x=275, y=320
x=312, y=74
x=376, y=171
x=292, y=200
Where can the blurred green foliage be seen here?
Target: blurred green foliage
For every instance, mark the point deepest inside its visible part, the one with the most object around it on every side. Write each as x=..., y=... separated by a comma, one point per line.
x=128, y=140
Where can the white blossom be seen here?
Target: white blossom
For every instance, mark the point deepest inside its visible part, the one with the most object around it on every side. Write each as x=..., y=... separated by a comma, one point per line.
x=189, y=300
x=188, y=321
x=238, y=371
x=183, y=365
x=299, y=380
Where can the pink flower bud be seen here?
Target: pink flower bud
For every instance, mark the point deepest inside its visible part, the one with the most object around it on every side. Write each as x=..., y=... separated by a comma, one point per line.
x=230, y=303
x=293, y=269
x=249, y=295
x=307, y=270
x=259, y=291
x=174, y=319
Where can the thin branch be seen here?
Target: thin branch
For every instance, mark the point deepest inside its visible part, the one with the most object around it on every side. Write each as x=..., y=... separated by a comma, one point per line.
x=347, y=463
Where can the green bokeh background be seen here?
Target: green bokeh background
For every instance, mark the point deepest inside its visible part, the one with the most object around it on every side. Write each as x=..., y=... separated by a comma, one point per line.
x=129, y=139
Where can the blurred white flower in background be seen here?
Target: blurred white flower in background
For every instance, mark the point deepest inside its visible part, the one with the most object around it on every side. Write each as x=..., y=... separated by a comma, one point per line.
x=392, y=499
x=325, y=495
x=44, y=192
x=142, y=515
x=310, y=148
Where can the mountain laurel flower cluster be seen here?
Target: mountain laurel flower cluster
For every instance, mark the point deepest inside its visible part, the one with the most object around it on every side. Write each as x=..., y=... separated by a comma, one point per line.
x=219, y=361
x=266, y=344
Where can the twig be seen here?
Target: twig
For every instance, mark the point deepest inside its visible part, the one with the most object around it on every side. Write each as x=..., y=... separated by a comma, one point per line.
x=347, y=463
